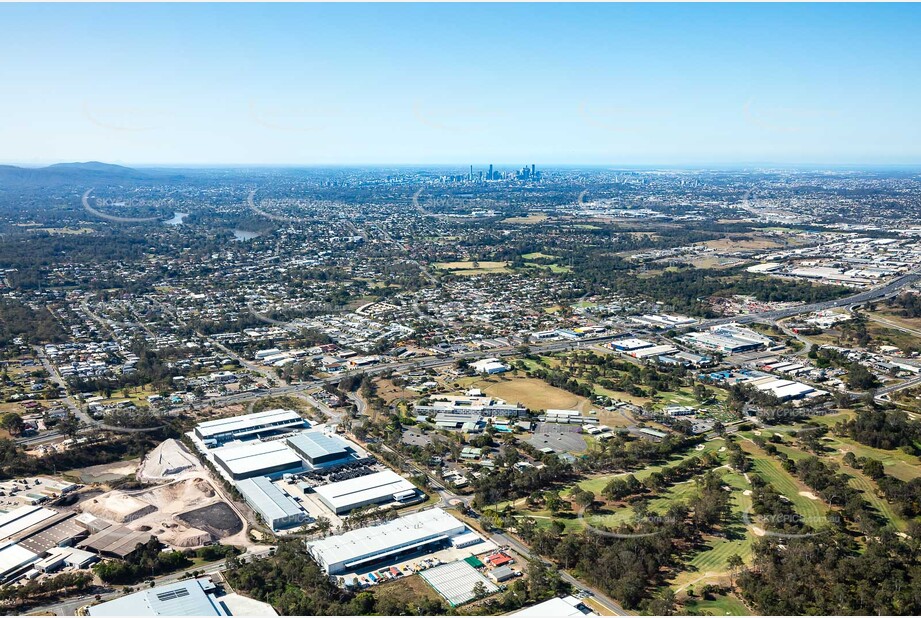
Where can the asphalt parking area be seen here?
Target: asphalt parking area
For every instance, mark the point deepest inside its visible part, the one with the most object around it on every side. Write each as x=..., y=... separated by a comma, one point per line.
x=561, y=438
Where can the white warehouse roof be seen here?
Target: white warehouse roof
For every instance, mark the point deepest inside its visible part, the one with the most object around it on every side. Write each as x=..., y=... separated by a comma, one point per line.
x=351, y=493
x=257, y=456
x=773, y=384
x=656, y=350
x=558, y=607
x=247, y=423
x=21, y=518
x=14, y=558
x=350, y=550
x=185, y=598
x=631, y=344
x=456, y=582
x=791, y=391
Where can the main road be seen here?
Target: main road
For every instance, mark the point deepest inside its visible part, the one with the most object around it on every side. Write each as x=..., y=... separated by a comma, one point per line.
x=863, y=297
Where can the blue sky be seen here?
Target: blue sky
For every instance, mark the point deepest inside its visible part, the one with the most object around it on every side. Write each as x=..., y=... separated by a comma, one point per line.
x=460, y=83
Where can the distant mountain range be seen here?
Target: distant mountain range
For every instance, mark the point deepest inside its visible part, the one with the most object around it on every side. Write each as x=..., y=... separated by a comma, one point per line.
x=74, y=173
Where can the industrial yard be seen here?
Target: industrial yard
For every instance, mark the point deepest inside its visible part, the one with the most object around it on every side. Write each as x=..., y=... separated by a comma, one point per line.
x=171, y=512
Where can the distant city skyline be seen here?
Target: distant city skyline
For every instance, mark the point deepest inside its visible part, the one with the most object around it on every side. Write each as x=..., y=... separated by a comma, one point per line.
x=357, y=84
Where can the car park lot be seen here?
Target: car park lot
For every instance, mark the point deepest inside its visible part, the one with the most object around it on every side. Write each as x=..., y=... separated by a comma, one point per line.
x=562, y=438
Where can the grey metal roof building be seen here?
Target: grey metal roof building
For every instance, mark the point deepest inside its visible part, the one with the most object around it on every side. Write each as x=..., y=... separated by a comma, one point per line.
x=115, y=541
x=257, y=459
x=226, y=429
x=502, y=573
x=318, y=448
x=186, y=598
x=276, y=507
x=57, y=531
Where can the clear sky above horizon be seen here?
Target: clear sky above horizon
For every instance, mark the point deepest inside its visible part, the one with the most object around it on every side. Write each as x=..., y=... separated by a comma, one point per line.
x=460, y=83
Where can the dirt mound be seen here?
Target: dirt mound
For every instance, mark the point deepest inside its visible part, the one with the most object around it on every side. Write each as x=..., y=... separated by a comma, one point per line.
x=192, y=537
x=118, y=507
x=168, y=461
x=218, y=519
x=179, y=496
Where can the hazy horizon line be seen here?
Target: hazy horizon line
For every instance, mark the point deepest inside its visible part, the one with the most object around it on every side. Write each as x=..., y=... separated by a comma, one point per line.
x=466, y=165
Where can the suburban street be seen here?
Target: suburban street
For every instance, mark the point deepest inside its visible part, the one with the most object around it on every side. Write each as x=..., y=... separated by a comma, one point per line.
x=436, y=361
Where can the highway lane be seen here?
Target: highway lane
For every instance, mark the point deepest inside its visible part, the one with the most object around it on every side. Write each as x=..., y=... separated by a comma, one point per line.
x=895, y=325
x=866, y=296
x=885, y=390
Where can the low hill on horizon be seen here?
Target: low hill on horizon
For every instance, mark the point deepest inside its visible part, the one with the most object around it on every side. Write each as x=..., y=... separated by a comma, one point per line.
x=82, y=173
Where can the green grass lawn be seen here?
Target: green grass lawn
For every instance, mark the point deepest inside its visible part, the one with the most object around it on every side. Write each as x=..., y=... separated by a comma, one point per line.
x=682, y=492
x=570, y=522
x=830, y=420
x=721, y=605
x=533, y=365
x=685, y=397
x=896, y=463
x=598, y=483
x=715, y=559
x=554, y=268
x=859, y=481
x=676, y=398
x=771, y=470
x=793, y=453
x=735, y=538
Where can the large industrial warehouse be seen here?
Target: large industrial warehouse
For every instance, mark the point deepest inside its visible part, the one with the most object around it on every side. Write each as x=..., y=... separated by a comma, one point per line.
x=217, y=432
x=257, y=459
x=29, y=532
x=377, y=488
x=319, y=449
x=276, y=507
x=365, y=547
x=193, y=597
